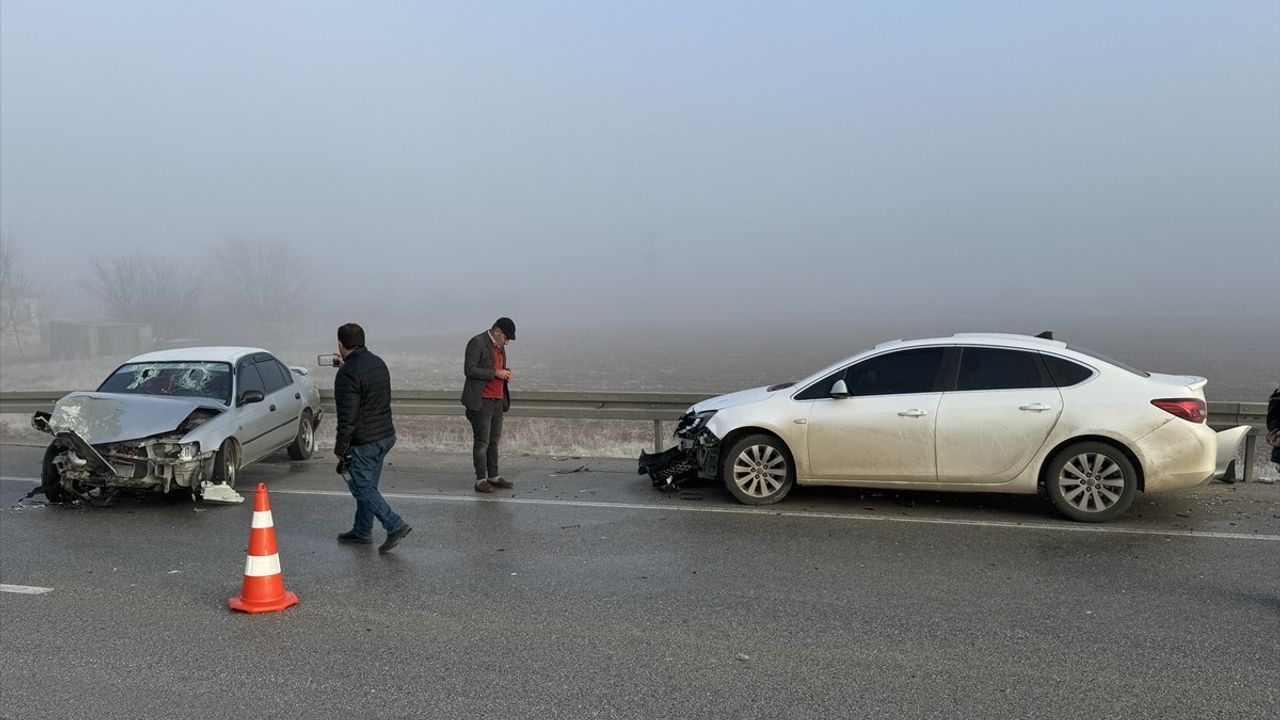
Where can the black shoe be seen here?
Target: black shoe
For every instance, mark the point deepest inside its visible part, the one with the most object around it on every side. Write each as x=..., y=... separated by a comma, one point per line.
x=393, y=539
x=350, y=538
x=500, y=483
x=483, y=486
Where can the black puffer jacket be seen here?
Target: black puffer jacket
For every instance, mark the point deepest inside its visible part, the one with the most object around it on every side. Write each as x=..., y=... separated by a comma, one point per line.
x=362, y=394
x=1273, y=421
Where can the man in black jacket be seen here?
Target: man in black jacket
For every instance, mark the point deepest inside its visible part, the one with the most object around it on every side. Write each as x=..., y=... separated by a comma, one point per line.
x=362, y=394
x=1273, y=426
x=486, y=396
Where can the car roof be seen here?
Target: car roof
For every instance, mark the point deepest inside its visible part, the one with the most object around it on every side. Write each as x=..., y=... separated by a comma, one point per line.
x=1004, y=340
x=198, y=354
x=1009, y=340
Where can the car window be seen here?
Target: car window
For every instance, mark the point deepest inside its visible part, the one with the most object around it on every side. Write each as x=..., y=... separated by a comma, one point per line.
x=249, y=379
x=272, y=378
x=1099, y=356
x=898, y=373
x=182, y=379
x=284, y=370
x=1066, y=373
x=820, y=389
x=998, y=369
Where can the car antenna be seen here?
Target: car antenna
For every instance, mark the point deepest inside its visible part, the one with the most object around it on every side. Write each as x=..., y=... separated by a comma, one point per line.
x=1046, y=335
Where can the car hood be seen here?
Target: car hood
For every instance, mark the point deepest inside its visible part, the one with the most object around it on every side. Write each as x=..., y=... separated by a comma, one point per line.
x=744, y=397
x=100, y=418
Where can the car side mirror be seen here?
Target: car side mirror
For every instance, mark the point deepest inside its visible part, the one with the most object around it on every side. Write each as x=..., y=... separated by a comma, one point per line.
x=252, y=396
x=839, y=390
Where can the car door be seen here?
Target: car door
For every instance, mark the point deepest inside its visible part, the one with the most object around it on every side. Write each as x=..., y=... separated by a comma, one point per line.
x=255, y=421
x=1001, y=411
x=885, y=429
x=285, y=401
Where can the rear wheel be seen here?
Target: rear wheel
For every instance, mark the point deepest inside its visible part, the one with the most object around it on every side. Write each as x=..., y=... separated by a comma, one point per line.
x=1091, y=482
x=758, y=470
x=51, y=478
x=304, y=445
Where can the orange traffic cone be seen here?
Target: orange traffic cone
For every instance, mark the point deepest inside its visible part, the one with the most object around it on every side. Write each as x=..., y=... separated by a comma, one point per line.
x=263, y=589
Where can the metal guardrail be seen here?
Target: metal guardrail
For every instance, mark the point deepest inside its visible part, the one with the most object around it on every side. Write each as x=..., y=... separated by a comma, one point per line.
x=638, y=406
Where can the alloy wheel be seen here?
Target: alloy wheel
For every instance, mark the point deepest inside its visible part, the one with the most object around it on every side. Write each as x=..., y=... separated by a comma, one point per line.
x=1091, y=482
x=760, y=470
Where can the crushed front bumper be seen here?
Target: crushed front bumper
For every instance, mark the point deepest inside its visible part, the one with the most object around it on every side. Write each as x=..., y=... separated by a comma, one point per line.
x=697, y=456
x=82, y=466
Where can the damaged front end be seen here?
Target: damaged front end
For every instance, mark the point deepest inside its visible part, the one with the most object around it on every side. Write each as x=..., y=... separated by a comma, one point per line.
x=697, y=456
x=104, y=445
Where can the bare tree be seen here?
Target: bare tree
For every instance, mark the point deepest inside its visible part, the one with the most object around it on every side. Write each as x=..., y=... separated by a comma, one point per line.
x=265, y=279
x=148, y=289
x=15, y=290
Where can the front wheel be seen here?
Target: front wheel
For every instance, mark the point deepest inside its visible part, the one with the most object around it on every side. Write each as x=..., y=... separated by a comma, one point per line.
x=758, y=470
x=226, y=465
x=51, y=478
x=1091, y=482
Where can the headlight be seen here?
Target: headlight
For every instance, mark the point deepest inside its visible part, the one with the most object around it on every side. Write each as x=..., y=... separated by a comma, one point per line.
x=692, y=422
x=188, y=451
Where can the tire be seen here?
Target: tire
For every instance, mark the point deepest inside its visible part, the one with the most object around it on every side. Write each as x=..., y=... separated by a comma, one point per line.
x=758, y=470
x=51, y=479
x=1091, y=482
x=226, y=464
x=304, y=444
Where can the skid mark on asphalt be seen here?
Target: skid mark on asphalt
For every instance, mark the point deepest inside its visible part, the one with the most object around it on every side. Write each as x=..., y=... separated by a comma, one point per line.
x=855, y=517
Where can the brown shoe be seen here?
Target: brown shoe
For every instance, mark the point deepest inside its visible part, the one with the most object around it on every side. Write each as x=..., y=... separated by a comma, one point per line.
x=500, y=483
x=483, y=486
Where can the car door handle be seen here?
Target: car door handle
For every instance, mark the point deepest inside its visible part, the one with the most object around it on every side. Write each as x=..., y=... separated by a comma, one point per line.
x=272, y=408
x=1035, y=407
x=913, y=412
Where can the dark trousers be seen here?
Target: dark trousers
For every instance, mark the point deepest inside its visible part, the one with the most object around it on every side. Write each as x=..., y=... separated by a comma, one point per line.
x=362, y=480
x=486, y=431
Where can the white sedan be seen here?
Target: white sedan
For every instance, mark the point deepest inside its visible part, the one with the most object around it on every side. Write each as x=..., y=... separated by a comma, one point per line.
x=971, y=413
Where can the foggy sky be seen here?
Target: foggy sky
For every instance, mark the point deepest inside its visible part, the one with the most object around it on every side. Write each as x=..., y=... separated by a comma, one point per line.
x=711, y=164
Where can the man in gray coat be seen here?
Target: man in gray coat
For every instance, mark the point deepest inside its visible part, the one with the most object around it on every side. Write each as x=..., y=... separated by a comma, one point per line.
x=486, y=396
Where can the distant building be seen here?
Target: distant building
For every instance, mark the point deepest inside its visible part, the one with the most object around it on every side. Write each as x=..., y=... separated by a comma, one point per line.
x=70, y=340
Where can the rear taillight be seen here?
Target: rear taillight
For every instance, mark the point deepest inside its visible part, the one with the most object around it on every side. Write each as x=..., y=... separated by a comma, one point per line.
x=1189, y=409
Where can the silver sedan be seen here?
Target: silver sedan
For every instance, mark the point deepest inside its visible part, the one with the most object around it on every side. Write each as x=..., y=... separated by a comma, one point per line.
x=186, y=419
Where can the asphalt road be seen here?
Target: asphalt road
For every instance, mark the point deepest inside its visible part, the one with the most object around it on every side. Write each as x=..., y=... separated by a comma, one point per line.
x=589, y=594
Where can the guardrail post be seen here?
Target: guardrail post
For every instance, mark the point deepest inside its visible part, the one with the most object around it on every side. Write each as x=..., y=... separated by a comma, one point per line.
x=1250, y=450
x=657, y=436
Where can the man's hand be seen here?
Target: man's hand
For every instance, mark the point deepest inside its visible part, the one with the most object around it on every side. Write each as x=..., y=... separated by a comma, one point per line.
x=344, y=464
x=506, y=375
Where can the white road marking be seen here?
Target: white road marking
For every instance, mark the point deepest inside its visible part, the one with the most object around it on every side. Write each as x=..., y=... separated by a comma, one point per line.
x=1079, y=528
x=802, y=514
x=24, y=589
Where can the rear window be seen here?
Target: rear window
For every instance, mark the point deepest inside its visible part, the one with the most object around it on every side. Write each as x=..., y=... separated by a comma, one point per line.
x=1105, y=359
x=274, y=376
x=1066, y=373
x=998, y=369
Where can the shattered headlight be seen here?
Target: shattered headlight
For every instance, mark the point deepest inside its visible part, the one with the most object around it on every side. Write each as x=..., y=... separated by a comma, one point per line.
x=691, y=423
x=182, y=451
